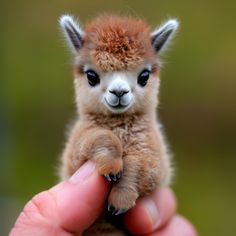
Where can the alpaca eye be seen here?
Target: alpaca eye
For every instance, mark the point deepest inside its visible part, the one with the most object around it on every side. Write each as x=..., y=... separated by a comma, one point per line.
x=93, y=78
x=143, y=77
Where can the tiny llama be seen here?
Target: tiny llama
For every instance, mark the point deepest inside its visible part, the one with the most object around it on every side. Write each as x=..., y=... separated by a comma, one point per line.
x=116, y=72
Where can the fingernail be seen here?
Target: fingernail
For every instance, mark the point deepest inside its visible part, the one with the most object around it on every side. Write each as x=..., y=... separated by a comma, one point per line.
x=152, y=211
x=84, y=172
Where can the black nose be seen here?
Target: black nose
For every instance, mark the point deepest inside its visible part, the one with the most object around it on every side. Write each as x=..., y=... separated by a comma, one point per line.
x=119, y=92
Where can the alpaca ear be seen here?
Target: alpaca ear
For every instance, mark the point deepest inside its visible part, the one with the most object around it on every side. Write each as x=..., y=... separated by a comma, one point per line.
x=162, y=35
x=72, y=31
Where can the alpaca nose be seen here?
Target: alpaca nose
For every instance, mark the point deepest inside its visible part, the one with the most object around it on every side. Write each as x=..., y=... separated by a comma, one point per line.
x=119, y=92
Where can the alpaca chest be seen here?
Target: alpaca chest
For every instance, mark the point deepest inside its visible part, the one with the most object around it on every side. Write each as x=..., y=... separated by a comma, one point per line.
x=132, y=136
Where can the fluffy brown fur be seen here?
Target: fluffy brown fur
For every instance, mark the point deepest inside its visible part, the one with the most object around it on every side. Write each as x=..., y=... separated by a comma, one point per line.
x=131, y=142
x=117, y=43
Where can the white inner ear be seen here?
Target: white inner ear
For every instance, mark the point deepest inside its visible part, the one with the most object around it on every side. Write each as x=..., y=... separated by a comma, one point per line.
x=72, y=32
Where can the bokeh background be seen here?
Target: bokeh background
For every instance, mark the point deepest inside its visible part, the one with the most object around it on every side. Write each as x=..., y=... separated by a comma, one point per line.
x=198, y=97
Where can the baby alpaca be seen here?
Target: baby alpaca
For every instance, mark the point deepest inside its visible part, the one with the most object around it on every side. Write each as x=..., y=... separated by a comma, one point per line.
x=116, y=82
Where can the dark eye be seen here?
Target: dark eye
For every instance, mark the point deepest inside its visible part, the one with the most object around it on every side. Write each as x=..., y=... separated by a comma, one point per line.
x=93, y=78
x=143, y=77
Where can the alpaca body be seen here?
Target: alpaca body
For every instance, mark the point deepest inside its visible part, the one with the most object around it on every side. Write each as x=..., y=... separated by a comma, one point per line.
x=116, y=84
x=142, y=144
x=146, y=164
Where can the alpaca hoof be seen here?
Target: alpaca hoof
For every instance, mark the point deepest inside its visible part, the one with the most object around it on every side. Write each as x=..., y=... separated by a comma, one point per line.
x=115, y=211
x=113, y=177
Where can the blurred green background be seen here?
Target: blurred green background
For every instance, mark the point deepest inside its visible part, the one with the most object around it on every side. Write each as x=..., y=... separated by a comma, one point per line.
x=198, y=97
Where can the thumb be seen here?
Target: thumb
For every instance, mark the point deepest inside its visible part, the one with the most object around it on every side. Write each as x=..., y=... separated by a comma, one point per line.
x=69, y=207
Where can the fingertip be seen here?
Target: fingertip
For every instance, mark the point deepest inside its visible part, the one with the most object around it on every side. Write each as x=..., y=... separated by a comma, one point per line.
x=152, y=212
x=137, y=220
x=166, y=203
x=165, y=195
x=84, y=172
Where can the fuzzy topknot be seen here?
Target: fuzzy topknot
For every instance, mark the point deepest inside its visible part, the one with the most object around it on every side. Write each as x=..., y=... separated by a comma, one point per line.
x=117, y=43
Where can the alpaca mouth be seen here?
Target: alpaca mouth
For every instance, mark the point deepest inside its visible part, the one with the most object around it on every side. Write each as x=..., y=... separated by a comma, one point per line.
x=118, y=108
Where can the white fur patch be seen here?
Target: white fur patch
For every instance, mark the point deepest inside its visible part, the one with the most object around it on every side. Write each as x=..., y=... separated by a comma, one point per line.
x=118, y=81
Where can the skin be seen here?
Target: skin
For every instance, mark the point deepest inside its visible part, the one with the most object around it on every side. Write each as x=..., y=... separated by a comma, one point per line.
x=70, y=207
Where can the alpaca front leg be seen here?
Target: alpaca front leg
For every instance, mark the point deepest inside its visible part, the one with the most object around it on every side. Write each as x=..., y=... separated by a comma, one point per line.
x=105, y=149
x=124, y=193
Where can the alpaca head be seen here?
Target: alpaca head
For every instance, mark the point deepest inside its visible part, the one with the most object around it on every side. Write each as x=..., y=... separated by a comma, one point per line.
x=116, y=63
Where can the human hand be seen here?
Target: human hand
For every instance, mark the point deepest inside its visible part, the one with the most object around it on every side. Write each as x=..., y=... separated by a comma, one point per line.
x=70, y=207
x=155, y=215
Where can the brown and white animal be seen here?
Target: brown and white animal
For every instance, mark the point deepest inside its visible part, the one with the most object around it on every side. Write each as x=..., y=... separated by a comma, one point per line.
x=116, y=82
